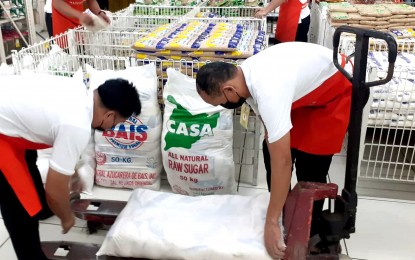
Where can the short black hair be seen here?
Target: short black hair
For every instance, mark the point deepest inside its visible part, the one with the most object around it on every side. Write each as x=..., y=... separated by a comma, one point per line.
x=212, y=76
x=121, y=96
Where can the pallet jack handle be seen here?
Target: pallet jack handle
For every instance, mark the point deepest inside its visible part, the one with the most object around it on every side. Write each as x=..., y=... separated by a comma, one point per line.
x=360, y=95
x=361, y=47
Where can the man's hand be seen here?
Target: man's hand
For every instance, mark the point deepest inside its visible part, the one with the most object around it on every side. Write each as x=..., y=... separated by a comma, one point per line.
x=274, y=242
x=104, y=16
x=57, y=196
x=281, y=163
x=85, y=19
x=67, y=223
x=261, y=13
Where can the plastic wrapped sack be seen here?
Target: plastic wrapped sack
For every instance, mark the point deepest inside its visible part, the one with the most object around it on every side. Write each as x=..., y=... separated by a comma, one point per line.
x=157, y=225
x=196, y=140
x=129, y=155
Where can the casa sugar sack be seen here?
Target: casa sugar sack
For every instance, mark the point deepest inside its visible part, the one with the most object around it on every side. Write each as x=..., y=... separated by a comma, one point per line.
x=196, y=140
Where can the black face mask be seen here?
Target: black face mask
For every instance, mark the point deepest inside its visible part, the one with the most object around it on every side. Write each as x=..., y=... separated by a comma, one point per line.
x=230, y=105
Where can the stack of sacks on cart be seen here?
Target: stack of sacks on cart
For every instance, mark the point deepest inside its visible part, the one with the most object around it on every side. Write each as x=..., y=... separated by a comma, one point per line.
x=196, y=40
x=383, y=17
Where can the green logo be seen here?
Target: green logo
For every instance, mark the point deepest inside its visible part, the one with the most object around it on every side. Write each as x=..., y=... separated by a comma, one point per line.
x=185, y=129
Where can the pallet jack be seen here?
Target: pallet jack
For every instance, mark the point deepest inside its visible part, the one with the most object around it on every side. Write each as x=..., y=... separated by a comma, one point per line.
x=340, y=218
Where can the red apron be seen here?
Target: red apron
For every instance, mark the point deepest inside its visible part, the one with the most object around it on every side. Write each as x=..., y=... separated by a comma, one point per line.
x=62, y=23
x=320, y=119
x=288, y=18
x=14, y=168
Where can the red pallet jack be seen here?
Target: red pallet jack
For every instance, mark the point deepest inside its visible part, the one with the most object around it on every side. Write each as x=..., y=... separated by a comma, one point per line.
x=338, y=221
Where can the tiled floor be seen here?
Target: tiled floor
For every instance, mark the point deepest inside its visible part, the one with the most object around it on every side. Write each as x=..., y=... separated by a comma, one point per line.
x=385, y=229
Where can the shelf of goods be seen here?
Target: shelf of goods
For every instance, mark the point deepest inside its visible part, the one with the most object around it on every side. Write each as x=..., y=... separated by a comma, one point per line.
x=387, y=152
x=112, y=49
x=396, y=18
x=144, y=18
x=12, y=13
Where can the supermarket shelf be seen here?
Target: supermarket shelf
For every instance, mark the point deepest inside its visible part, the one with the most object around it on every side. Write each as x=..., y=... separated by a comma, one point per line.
x=389, y=145
x=3, y=21
x=30, y=22
x=391, y=127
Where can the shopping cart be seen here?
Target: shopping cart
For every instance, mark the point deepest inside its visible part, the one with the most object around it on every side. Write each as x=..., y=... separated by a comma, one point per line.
x=338, y=221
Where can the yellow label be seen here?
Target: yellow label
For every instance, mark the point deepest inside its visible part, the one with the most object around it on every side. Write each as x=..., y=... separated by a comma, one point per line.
x=17, y=43
x=236, y=53
x=245, y=115
x=166, y=64
x=209, y=45
x=174, y=45
x=139, y=45
x=176, y=57
x=165, y=52
x=198, y=52
x=141, y=56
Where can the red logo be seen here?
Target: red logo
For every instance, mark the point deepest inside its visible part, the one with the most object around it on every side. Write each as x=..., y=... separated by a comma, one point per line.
x=128, y=136
x=101, y=158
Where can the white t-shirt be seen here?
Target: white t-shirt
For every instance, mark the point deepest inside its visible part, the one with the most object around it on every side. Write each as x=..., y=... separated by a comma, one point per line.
x=51, y=110
x=48, y=6
x=305, y=11
x=282, y=74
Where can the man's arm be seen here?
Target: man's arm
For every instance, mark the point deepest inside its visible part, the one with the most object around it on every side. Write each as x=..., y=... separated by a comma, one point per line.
x=280, y=155
x=57, y=195
x=96, y=9
x=269, y=8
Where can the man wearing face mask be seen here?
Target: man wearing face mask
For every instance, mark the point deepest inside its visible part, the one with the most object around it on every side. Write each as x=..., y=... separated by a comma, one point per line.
x=48, y=112
x=304, y=103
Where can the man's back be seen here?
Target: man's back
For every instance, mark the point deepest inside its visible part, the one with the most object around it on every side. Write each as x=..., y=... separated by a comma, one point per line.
x=295, y=64
x=33, y=106
x=50, y=110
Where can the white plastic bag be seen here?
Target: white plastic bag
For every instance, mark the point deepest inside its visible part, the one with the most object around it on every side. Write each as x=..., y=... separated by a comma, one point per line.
x=83, y=178
x=157, y=225
x=196, y=140
x=57, y=62
x=6, y=69
x=99, y=23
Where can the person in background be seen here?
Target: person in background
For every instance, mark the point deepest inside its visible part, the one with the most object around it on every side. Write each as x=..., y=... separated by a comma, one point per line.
x=69, y=14
x=304, y=103
x=293, y=20
x=56, y=112
x=48, y=17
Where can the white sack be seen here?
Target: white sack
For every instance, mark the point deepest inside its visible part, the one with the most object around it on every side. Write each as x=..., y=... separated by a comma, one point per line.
x=129, y=155
x=157, y=225
x=197, y=140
